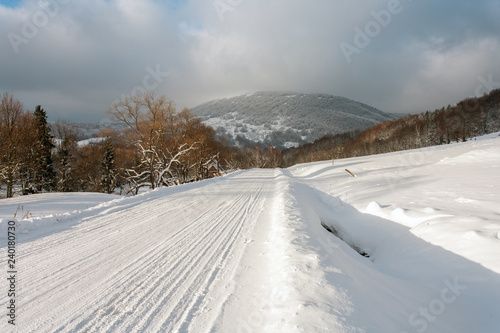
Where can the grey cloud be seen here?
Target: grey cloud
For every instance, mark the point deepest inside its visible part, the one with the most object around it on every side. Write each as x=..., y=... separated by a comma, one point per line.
x=431, y=54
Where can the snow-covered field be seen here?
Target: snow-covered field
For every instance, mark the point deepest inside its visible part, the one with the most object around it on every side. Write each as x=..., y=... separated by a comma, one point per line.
x=416, y=250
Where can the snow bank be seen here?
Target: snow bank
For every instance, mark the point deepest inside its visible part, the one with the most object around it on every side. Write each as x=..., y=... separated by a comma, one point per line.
x=35, y=211
x=428, y=219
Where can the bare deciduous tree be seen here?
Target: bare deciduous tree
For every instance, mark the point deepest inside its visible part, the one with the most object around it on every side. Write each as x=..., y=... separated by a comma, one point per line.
x=160, y=138
x=12, y=119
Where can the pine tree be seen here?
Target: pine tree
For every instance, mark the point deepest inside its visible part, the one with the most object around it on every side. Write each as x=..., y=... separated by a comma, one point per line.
x=66, y=158
x=64, y=179
x=44, y=170
x=108, y=172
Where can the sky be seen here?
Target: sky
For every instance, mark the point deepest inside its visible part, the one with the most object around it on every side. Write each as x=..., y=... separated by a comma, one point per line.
x=77, y=57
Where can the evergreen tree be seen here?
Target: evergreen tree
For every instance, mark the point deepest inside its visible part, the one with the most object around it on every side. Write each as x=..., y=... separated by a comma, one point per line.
x=64, y=179
x=66, y=159
x=108, y=171
x=44, y=170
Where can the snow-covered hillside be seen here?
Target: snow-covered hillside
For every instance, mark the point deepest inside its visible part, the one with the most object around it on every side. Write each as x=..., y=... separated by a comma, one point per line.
x=90, y=130
x=285, y=119
x=415, y=250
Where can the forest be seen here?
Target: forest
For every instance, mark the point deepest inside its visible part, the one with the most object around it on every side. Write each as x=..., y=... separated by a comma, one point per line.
x=470, y=118
x=160, y=146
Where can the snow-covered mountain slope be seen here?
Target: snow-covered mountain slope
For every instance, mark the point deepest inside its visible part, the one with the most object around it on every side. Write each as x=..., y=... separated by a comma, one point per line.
x=89, y=130
x=286, y=119
x=416, y=250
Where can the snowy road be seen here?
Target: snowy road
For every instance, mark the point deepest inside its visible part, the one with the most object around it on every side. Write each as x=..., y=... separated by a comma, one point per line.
x=160, y=266
x=416, y=250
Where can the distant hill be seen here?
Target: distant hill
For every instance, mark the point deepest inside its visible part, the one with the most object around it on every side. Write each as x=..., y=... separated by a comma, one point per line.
x=470, y=118
x=88, y=129
x=286, y=119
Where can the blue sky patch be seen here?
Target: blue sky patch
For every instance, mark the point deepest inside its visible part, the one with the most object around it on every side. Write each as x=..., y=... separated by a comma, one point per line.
x=175, y=4
x=10, y=3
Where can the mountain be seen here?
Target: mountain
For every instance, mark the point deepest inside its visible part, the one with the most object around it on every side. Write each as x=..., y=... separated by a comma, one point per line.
x=286, y=119
x=88, y=129
x=470, y=118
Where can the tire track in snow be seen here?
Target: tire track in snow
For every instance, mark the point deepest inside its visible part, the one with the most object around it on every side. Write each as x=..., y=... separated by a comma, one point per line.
x=143, y=286
x=205, y=259
x=156, y=266
x=64, y=277
x=178, y=272
x=220, y=264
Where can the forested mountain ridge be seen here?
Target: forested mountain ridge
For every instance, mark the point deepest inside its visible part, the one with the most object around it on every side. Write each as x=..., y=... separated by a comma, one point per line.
x=469, y=118
x=285, y=119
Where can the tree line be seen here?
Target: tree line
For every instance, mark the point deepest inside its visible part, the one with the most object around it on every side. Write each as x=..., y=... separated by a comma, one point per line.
x=470, y=118
x=159, y=147
x=25, y=148
x=33, y=161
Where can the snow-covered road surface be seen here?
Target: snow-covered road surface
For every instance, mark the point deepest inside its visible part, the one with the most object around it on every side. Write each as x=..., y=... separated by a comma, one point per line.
x=247, y=252
x=161, y=265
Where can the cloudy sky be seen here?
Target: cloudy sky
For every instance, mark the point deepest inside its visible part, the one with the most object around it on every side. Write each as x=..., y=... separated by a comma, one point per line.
x=76, y=57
